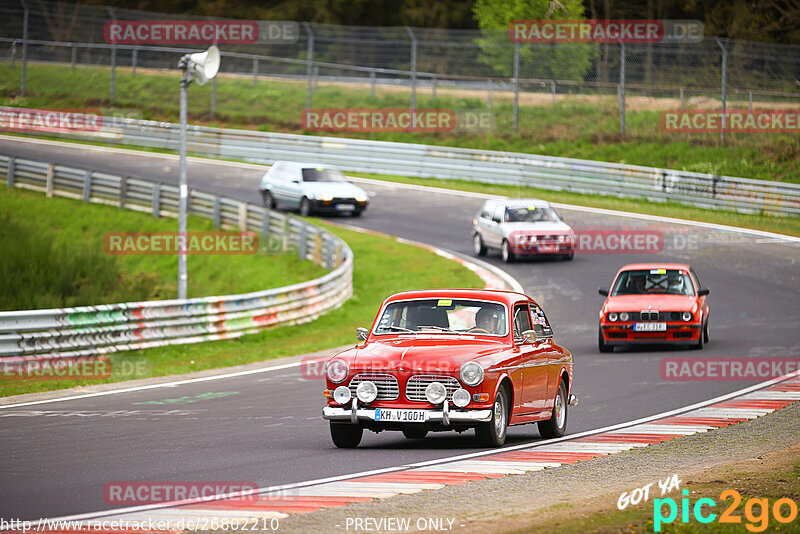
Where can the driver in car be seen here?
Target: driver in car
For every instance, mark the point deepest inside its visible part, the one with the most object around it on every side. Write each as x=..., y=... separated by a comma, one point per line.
x=487, y=319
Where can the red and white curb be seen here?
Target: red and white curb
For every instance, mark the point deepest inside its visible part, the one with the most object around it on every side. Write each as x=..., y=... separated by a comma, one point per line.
x=280, y=503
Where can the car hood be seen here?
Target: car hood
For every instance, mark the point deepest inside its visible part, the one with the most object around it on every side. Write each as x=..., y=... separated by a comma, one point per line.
x=337, y=189
x=656, y=302
x=427, y=354
x=539, y=228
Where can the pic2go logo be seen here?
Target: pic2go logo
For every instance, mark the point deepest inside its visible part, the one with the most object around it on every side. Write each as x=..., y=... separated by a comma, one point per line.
x=756, y=511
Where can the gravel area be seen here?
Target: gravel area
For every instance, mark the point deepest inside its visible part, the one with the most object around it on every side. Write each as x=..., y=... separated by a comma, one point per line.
x=501, y=505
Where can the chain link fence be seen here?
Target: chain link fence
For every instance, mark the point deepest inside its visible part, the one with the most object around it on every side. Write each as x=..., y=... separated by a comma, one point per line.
x=484, y=65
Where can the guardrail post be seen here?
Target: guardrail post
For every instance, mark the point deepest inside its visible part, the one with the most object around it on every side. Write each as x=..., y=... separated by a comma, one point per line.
x=134, y=55
x=372, y=83
x=265, y=228
x=302, y=252
x=681, y=98
x=714, y=180
x=413, y=69
x=516, y=87
x=309, y=63
x=87, y=186
x=285, y=234
x=317, y=248
x=215, y=213
x=48, y=184
x=328, y=254
x=213, y=97
x=123, y=191
x=337, y=254
x=255, y=71
x=156, y=200
x=24, y=48
x=10, y=171
x=73, y=56
x=433, y=87
x=243, y=216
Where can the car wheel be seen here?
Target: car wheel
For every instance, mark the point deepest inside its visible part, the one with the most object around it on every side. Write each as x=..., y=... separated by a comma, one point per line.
x=305, y=207
x=415, y=432
x=601, y=343
x=556, y=426
x=477, y=245
x=269, y=202
x=705, y=332
x=357, y=213
x=493, y=433
x=505, y=252
x=699, y=344
x=567, y=257
x=346, y=436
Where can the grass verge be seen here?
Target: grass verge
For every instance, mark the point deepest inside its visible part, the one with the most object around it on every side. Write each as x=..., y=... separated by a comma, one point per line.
x=580, y=127
x=382, y=267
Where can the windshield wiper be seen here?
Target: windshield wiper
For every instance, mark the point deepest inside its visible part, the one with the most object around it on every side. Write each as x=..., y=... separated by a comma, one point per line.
x=443, y=329
x=399, y=329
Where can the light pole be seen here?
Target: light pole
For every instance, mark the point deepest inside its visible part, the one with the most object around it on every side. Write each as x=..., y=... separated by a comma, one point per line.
x=199, y=67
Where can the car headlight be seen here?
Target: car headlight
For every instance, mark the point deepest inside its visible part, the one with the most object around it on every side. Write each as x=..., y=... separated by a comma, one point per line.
x=436, y=393
x=624, y=316
x=686, y=316
x=325, y=197
x=521, y=239
x=361, y=197
x=571, y=238
x=562, y=238
x=341, y=394
x=472, y=373
x=613, y=317
x=461, y=397
x=367, y=392
x=336, y=371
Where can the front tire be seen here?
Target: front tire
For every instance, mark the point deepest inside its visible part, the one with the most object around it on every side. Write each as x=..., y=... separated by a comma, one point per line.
x=415, y=432
x=568, y=257
x=705, y=332
x=601, y=344
x=268, y=200
x=556, y=426
x=493, y=433
x=699, y=344
x=346, y=436
x=477, y=245
x=305, y=207
x=505, y=252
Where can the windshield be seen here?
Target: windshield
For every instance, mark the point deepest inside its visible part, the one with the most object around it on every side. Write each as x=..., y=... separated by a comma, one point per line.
x=321, y=174
x=443, y=315
x=532, y=214
x=653, y=281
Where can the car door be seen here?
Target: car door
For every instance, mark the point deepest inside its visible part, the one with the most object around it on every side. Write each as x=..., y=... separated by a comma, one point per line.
x=278, y=181
x=494, y=229
x=550, y=354
x=534, y=363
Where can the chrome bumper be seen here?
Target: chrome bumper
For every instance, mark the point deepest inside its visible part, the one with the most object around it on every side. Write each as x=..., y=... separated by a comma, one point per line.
x=446, y=416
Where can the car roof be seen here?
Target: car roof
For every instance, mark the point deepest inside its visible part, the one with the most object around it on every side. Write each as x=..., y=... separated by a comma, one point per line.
x=300, y=165
x=525, y=202
x=496, y=295
x=643, y=266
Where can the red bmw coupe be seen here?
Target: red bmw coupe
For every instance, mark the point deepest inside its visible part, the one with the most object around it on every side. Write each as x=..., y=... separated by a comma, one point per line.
x=658, y=303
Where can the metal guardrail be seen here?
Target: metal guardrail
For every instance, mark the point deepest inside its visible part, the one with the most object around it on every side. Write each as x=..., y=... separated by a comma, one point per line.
x=484, y=166
x=90, y=330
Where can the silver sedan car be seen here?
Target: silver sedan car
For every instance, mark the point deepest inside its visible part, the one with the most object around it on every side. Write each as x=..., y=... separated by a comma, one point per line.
x=311, y=188
x=522, y=227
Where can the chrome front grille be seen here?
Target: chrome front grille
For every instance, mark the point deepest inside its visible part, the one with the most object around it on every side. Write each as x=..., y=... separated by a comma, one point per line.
x=649, y=315
x=415, y=387
x=388, y=389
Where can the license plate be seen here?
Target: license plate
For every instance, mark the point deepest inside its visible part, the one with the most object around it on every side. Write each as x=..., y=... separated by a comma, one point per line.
x=400, y=416
x=649, y=327
x=345, y=207
x=547, y=249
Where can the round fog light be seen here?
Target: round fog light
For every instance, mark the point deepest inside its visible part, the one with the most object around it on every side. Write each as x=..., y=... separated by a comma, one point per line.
x=435, y=393
x=461, y=397
x=623, y=316
x=367, y=392
x=686, y=316
x=341, y=394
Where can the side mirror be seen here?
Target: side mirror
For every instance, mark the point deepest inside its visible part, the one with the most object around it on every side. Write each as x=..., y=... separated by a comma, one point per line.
x=496, y=220
x=703, y=292
x=361, y=333
x=603, y=292
x=528, y=335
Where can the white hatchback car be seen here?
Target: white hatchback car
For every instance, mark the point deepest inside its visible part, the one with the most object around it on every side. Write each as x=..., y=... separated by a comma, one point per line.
x=308, y=187
x=522, y=227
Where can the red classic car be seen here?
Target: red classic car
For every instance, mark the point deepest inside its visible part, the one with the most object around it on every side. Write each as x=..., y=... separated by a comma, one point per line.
x=654, y=303
x=451, y=359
